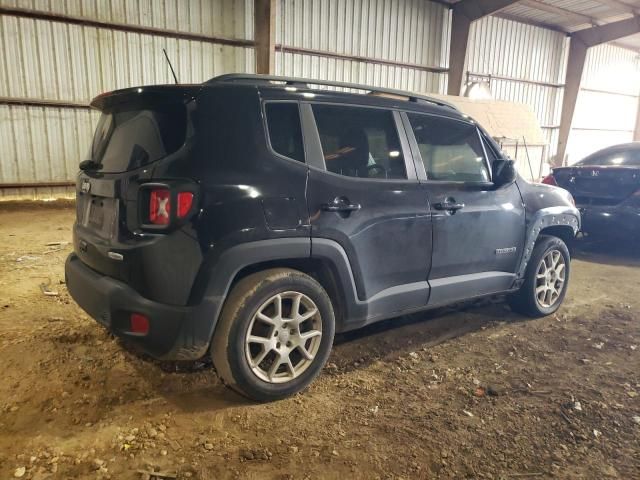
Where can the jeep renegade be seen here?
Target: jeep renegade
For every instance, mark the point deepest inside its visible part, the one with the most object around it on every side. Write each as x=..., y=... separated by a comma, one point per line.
x=251, y=217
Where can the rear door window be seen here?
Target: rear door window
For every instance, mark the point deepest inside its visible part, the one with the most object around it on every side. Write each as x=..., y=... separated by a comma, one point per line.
x=127, y=139
x=285, y=132
x=450, y=149
x=360, y=142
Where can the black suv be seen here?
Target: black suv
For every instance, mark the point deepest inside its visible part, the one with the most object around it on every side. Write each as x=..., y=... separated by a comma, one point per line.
x=252, y=217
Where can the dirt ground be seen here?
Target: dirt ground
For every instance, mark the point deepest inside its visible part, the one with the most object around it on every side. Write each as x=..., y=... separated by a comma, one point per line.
x=474, y=391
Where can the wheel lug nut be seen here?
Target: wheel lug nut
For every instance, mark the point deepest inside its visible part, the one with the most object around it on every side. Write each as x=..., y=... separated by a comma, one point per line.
x=289, y=344
x=278, y=345
x=292, y=331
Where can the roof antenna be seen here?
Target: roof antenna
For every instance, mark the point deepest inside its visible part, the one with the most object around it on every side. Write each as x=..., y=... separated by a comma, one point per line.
x=170, y=66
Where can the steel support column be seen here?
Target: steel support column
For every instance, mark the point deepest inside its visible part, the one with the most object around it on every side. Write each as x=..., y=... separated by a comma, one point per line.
x=575, y=66
x=460, y=26
x=463, y=14
x=264, y=14
x=581, y=41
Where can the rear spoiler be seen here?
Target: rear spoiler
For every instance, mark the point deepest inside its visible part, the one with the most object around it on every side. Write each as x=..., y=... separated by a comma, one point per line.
x=160, y=93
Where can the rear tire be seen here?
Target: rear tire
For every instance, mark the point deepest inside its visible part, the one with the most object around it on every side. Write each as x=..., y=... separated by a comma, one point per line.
x=546, y=279
x=274, y=335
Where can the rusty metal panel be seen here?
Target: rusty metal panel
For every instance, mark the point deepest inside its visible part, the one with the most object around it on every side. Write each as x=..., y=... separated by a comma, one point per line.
x=412, y=33
x=54, y=60
x=230, y=18
x=43, y=144
x=50, y=59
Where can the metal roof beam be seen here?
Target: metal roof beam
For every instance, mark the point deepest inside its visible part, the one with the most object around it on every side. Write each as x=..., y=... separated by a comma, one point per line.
x=608, y=32
x=463, y=14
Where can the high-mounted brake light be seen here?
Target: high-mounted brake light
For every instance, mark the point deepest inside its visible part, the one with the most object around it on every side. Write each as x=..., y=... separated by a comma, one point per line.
x=185, y=199
x=550, y=180
x=160, y=206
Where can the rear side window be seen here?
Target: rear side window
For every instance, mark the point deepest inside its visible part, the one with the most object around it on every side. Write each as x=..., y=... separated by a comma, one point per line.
x=360, y=142
x=285, y=133
x=127, y=139
x=450, y=149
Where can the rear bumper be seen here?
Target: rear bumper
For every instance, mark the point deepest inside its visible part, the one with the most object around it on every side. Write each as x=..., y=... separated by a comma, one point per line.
x=611, y=221
x=175, y=333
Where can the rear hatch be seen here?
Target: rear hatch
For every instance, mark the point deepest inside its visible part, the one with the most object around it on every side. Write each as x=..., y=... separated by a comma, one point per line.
x=594, y=185
x=139, y=131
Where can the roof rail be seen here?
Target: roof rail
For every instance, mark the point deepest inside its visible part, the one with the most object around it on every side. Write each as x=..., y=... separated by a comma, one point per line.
x=304, y=83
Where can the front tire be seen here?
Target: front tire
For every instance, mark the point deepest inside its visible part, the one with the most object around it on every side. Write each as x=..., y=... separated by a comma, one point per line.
x=546, y=279
x=274, y=335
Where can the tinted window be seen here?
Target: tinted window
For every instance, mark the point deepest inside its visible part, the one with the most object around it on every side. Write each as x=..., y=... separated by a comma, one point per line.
x=360, y=142
x=127, y=139
x=450, y=149
x=618, y=157
x=285, y=134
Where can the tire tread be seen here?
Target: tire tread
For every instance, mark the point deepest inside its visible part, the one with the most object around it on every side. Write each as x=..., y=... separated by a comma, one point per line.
x=523, y=301
x=236, y=301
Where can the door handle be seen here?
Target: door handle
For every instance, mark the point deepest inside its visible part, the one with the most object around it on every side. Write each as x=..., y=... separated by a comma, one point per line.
x=450, y=206
x=340, y=205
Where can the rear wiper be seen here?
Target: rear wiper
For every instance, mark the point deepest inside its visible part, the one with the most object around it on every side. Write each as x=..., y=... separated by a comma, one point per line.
x=90, y=165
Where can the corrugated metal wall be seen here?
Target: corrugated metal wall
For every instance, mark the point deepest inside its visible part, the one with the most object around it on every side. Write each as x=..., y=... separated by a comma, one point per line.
x=607, y=103
x=393, y=43
x=350, y=40
x=524, y=64
x=64, y=62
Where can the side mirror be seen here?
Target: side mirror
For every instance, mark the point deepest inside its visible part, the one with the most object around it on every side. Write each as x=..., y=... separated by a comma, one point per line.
x=504, y=172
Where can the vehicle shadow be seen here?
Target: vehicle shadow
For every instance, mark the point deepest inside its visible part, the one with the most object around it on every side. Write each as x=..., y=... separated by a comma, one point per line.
x=352, y=351
x=190, y=386
x=608, y=252
x=401, y=335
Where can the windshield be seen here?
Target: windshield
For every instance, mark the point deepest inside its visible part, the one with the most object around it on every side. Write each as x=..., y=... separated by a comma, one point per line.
x=620, y=158
x=130, y=138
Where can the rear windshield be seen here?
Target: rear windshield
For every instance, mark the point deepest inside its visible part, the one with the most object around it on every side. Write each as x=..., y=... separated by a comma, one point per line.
x=622, y=158
x=127, y=139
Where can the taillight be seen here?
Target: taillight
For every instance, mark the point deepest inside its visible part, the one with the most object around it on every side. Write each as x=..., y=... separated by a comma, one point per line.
x=139, y=324
x=185, y=199
x=163, y=205
x=550, y=180
x=160, y=206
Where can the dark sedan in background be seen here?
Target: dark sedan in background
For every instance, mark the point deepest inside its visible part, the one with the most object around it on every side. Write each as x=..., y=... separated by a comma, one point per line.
x=606, y=188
